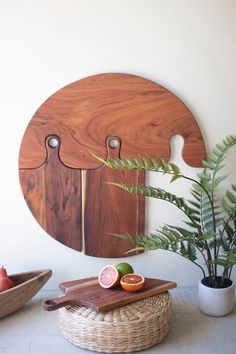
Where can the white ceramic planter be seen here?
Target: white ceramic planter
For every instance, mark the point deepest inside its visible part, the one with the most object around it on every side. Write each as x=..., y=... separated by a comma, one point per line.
x=215, y=302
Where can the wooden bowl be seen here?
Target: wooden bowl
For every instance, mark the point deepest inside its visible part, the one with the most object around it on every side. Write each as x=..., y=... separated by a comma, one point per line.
x=26, y=285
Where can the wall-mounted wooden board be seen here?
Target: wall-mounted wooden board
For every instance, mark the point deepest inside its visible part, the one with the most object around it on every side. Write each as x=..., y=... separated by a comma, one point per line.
x=108, y=209
x=53, y=194
x=83, y=115
x=143, y=114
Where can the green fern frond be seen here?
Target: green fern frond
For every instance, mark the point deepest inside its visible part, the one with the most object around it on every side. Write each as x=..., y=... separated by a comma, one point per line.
x=204, y=176
x=158, y=193
x=231, y=197
x=224, y=243
x=230, y=231
x=213, y=164
x=218, y=154
x=158, y=164
x=195, y=205
x=196, y=194
x=227, y=205
x=179, y=240
x=230, y=204
x=212, y=221
x=165, y=239
x=217, y=181
x=233, y=187
x=226, y=261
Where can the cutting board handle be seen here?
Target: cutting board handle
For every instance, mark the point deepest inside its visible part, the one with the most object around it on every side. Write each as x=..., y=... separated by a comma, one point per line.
x=56, y=303
x=113, y=144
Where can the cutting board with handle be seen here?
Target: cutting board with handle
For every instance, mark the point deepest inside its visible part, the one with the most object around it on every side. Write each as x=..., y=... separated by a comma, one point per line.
x=108, y=209
x=53, y=193
x=87, y=292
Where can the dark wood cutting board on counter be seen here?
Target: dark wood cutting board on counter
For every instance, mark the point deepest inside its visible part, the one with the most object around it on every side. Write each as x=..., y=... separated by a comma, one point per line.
x=87, y=292
x=63, y=183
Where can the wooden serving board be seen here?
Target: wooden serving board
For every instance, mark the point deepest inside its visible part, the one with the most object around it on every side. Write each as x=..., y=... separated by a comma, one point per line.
x=108, y=209
x=54, y=196
x=87, y=292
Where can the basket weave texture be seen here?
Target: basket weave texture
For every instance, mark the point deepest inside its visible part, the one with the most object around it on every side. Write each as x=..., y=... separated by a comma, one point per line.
x=123, y=330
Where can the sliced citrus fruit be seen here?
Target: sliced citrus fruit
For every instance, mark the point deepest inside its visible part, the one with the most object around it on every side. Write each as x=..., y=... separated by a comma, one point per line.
x=108, y=276
x=124, y=268
x=132, y=282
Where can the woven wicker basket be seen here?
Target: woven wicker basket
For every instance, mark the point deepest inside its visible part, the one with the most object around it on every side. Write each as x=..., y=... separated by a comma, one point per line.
x=125, y=329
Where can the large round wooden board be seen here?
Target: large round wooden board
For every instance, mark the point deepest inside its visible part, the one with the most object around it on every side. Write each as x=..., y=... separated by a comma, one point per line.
x=63, y=184
x=143, y=114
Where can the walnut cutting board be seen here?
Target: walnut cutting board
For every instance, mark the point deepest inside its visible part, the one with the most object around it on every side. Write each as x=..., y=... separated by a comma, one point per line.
x=63, y=185
x=87, y=292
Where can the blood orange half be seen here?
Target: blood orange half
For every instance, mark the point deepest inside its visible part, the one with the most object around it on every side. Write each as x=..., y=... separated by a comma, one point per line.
x=132, y=282
x=108, y=277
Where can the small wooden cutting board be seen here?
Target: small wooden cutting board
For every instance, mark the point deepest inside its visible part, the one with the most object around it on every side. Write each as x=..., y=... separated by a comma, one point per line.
x=87, y=292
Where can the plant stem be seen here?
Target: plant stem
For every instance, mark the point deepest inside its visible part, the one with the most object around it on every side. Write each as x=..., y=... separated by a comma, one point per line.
x=214, y=229
x=210, y=198
x=232, y=243
x=203, y=271
x=222, y=233
x=204, y=274
x=208, y=265
x=230, y=271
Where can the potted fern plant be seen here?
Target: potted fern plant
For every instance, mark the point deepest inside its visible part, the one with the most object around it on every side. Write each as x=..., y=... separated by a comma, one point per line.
x=209, y=238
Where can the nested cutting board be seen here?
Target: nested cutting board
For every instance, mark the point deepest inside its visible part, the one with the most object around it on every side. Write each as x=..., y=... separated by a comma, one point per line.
x=53, y=193
x=83, y=116
x=87, y=292
x=108, y=209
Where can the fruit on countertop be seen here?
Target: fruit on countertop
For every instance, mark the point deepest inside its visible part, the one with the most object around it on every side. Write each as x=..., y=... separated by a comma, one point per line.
x=5, y=282
x=108, y=277
x=132, y=282
x=3, y=272
x=124, y=268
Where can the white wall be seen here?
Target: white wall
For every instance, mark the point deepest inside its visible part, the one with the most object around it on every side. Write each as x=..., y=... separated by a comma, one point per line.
x=188, y=46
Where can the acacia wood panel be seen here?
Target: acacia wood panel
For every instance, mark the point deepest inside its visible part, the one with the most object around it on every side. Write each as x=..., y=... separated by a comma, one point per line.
x=53, y=194
x=109, y=209
x=143, y=114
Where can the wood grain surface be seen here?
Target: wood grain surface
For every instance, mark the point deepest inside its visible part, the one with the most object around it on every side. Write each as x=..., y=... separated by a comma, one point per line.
x=108, y=209
x=143, y=114
x=87, y=292
x=53, y=194
x=25, y=286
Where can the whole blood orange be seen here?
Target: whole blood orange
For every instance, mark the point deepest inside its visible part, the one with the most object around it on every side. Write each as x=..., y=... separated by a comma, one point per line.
x=108, y=277
x=132, y=282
